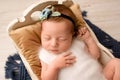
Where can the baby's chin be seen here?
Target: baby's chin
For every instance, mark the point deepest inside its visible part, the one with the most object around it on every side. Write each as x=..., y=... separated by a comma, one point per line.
x=55, y=52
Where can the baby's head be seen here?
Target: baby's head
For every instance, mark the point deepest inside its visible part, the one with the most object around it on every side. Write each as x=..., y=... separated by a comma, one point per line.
x=58, y=28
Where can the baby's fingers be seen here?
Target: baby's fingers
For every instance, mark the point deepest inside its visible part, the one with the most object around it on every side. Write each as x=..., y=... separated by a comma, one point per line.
x=71, y=57
x=82, y=31
x=65, y=54
x=70, y=61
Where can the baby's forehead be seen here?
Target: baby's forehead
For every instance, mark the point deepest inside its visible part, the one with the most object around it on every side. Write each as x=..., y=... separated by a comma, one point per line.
x=54, y=28
x=63, y=23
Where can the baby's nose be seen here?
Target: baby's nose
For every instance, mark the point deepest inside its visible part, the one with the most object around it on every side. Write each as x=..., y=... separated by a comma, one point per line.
x=54, y=43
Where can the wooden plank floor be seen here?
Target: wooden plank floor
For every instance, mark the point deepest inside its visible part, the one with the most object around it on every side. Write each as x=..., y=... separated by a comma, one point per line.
x=103, y=13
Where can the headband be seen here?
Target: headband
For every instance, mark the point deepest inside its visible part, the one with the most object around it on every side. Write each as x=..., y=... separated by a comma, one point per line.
x=48, y=12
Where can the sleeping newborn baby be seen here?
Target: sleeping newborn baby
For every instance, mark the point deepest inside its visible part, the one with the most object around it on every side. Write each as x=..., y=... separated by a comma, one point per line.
x=85, y=67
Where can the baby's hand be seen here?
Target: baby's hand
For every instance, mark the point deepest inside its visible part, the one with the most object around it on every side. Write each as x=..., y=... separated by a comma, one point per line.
x=64, y=60
x=84, y=34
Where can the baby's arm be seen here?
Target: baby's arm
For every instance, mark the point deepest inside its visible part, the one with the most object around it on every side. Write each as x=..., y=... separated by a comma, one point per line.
x=90, y=42
x=50, y=72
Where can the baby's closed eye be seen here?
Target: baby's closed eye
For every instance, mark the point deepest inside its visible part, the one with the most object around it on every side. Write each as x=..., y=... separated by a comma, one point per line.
x=62, y=39
x=46, y=38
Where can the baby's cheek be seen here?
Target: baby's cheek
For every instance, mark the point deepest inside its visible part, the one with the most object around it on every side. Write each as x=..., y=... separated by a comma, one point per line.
x=45, y=45
x=65, y=47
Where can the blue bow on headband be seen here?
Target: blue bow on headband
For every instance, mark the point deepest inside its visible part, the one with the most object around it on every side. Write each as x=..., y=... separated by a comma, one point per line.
x=45, y=13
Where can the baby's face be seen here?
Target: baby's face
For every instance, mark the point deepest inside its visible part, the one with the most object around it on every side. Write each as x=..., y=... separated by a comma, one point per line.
x=56, y=37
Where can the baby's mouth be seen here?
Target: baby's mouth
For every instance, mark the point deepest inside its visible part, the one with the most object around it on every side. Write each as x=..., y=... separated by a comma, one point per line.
x=54, y=50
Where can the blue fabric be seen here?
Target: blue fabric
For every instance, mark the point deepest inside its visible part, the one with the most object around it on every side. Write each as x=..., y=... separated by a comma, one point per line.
x=106, y=39
x=14, y=70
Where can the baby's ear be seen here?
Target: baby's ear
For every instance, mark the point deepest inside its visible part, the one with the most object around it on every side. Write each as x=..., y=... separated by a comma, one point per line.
x=74, y=34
